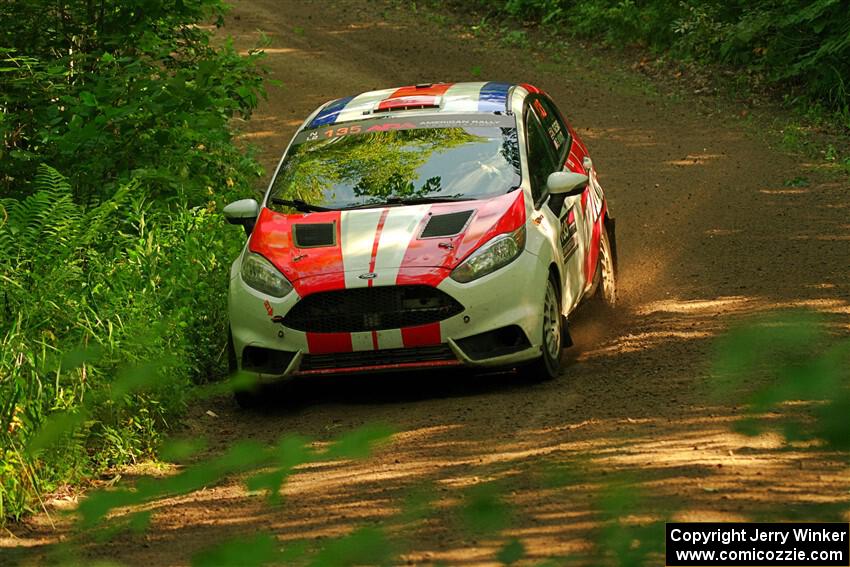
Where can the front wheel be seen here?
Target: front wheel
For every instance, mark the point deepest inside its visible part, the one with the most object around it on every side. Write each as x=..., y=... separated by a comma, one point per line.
x=547, y=366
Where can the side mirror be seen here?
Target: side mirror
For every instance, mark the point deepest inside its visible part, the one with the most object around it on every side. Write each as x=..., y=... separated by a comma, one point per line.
x=567, y=183
x=244, y=212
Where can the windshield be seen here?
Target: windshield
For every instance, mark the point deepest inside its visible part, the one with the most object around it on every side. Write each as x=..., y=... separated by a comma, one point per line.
x=370, y=162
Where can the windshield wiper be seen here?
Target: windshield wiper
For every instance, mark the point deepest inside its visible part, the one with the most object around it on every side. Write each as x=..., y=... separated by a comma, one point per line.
x=404, y=201
x=299, y=205
x=423, y=200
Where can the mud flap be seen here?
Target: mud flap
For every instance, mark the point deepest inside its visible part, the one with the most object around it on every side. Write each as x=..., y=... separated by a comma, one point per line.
x=610, y=228
x=566, y=338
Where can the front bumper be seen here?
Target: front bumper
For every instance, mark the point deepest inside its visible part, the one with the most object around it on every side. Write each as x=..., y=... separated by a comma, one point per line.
x=499, y=326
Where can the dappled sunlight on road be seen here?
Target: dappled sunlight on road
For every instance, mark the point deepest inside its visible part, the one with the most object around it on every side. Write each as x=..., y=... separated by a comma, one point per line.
x=720, y=304
x=695, y=159
x=691, y=466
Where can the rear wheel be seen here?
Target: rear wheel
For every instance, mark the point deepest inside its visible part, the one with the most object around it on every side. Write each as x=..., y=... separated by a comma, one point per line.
x=547, y=366
x=606, y=277
x=248, y=399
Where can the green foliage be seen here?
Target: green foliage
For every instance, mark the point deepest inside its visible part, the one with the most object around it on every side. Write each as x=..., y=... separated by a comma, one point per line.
x=629, y=544
x=112, y=91
x=256, y=550
x=484, y=511
x=512, y=552
x=801, y=47
x=113, y=272
x=115, y=285
x=795, y=360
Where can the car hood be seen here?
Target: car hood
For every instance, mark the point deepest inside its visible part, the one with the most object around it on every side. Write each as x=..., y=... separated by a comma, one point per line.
x=382, y=245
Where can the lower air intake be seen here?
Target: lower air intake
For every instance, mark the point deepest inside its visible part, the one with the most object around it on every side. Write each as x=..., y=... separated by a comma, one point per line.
x=371, y=359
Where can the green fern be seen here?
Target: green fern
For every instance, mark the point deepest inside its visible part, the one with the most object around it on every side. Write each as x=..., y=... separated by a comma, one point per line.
x=48, y=226
x=41, y=224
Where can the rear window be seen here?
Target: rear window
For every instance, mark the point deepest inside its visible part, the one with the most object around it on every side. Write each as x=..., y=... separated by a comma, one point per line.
x=365, y=163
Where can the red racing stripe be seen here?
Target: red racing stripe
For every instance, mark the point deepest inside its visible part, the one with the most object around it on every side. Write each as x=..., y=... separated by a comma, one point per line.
x=428, y=261
x=375, y=250
x=376, y=367
x=499, y=215
x=325, y=343
x=595, y=241
x=310, y=270
x=593, y=251
x=421, y=335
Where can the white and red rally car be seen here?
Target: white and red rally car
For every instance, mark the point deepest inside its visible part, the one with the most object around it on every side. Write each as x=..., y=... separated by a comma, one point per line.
x=422, y=227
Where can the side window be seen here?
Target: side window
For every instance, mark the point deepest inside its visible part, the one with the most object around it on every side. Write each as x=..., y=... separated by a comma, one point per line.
x=541, y=163
x=556, y=130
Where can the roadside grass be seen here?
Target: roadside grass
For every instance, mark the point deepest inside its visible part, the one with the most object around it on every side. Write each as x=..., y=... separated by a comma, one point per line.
x=116, y=157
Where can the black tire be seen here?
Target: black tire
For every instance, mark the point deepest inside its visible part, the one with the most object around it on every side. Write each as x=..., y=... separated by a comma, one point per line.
x=246, y=399
x=548, y=365
x=605, y=278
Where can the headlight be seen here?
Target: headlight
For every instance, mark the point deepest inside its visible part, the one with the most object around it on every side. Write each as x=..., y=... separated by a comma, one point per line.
x=260, y=274
x=499, y=252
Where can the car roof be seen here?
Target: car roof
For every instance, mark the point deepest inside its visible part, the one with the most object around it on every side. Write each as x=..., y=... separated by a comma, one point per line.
x=434, y=98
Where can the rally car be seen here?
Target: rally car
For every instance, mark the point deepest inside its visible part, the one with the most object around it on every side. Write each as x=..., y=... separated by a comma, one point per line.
x=421, y=227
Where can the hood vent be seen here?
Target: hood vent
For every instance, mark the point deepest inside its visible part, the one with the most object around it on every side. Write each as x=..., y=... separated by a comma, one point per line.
x=314, y=235
x=448, y=224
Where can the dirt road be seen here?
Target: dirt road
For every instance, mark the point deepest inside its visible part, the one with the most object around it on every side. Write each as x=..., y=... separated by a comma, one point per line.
x=708, y=231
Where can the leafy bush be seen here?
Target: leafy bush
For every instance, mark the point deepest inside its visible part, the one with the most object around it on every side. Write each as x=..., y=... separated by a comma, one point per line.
x=797, y=360
x=799, y=46
x=117, y=267
x=121, y=284
x=121, y=91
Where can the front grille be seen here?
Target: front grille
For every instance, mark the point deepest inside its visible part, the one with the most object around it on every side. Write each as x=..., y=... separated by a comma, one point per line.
x=387, y=357
x=371, y=309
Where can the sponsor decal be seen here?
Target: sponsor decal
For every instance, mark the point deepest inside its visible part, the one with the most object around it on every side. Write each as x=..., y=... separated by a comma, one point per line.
x=390, y=126
x=569, y=241
x=371, y=125
x=538, y=106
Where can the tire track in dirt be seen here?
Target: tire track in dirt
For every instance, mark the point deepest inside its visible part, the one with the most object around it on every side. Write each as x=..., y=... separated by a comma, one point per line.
x=707, y=232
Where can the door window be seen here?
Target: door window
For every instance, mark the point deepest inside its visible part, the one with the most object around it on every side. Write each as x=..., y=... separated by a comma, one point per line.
x=541, y=162
x=553, y=125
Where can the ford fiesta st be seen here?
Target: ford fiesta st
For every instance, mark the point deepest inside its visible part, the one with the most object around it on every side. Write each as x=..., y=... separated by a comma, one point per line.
x=428, y=226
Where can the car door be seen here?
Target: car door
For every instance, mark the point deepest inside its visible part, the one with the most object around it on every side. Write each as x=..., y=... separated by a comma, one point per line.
x=590, y=203
x=549, y=143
